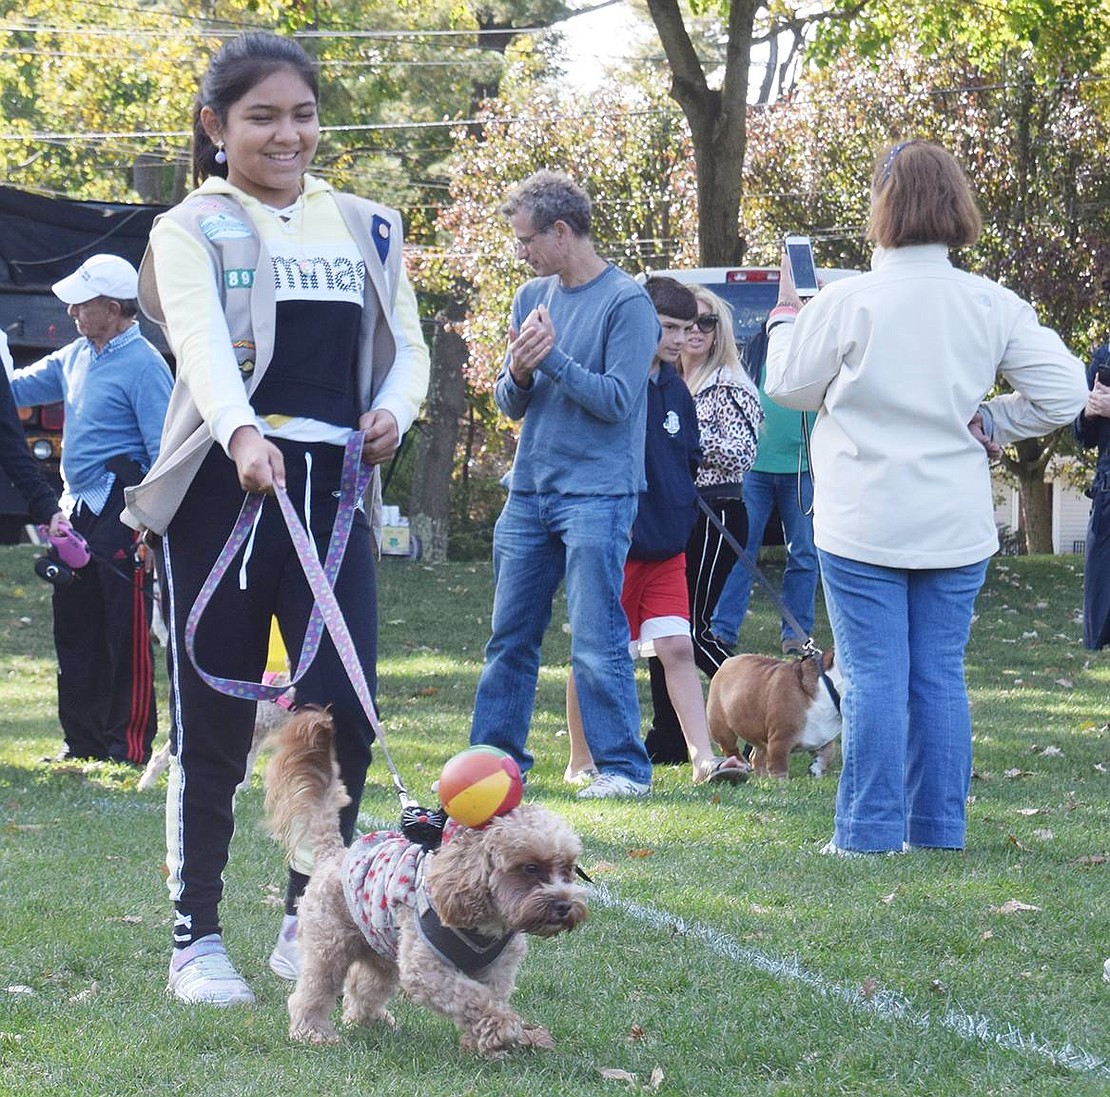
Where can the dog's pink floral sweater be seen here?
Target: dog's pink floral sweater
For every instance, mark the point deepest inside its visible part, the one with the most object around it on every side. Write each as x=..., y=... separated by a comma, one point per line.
x=383, y=870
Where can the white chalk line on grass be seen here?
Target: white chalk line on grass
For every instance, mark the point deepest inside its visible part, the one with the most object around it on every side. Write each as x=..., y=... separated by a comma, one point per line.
x=884, y=1003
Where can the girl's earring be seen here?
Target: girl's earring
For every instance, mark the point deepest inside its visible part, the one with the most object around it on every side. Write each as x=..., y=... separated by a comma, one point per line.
x=221, y=156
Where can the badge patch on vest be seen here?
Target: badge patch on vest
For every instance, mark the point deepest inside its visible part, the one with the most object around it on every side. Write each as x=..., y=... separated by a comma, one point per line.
x=223, y=226
x=239, y=278
x=671, y=423
x=379, y=233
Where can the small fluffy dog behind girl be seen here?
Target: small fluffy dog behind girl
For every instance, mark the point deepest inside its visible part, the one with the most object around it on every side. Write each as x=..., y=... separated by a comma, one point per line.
x=447, y=927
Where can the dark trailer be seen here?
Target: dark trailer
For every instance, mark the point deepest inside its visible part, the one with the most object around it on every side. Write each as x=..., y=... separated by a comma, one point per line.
x=42, y=240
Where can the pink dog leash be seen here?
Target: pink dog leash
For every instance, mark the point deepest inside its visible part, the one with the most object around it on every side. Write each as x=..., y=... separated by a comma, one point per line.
x=419, y=824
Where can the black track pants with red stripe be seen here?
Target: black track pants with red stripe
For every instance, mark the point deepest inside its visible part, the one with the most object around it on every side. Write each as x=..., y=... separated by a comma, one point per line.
x=106, y=702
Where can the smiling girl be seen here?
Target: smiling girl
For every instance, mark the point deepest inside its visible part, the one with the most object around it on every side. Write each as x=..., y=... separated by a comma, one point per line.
x=293, y=324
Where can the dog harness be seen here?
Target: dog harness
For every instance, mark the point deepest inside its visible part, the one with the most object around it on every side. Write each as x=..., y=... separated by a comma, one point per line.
x=384, y=870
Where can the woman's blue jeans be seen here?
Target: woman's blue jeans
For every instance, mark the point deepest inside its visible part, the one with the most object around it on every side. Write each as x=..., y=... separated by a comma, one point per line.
x=540, y=539
x=900, y=637
x=762, y=492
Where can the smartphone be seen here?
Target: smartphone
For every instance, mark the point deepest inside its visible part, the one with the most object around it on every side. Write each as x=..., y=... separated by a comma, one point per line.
x=799, y=252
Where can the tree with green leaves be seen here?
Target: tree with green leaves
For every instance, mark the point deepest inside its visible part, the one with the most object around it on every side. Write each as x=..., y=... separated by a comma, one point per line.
x=1034, y=149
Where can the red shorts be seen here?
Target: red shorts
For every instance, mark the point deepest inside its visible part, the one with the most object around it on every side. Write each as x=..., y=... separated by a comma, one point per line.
x=655, y=598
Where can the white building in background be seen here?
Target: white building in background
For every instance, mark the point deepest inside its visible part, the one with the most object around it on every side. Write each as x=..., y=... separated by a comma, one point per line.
x=1070, y=511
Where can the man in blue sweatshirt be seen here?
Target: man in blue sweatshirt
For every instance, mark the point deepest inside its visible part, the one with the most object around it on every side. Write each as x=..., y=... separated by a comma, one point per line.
x=581, y=341
x=115, y=387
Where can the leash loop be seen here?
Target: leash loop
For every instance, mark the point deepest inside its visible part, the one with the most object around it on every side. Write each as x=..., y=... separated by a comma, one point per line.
x=325, y=614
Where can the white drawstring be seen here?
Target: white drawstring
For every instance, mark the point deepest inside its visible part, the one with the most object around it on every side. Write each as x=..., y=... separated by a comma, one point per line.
x=249, y=549
x=308, y=502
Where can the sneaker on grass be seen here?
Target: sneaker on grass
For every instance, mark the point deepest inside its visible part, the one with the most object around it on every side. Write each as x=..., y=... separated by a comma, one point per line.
x=610, y=785
x=285, y=960
x=203, y=973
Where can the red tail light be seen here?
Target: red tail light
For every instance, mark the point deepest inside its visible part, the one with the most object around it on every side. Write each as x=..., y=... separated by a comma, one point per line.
x=52, y=416
x=26, y=414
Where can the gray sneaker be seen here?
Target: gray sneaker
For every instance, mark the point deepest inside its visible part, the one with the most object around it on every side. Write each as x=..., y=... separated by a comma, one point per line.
x=285, y=960
x=203, y=973
x=610, y=785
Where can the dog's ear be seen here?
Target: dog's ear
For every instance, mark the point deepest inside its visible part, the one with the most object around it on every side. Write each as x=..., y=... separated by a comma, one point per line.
x=458, y=878
x=827, y=659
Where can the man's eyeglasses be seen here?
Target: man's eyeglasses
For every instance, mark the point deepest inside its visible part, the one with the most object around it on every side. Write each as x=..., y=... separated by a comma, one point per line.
x=707, y=323
x=525, y=241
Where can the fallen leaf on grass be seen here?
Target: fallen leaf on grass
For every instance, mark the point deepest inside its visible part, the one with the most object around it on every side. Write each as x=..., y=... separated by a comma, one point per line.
x=888, y=899
x=84, y=995
x=867, y=990
x=603, y=866
x=1012, y=839
x=19, y=988
x=427, y=691
x=641, y=853
x=937, y=987
x=612, y=1074
x=987, y=935
x=1018, y=773
x=1031, y=811
x=1043, y=834
x=637, y=1033
x=1014, y=906
x=131, y=919
x=656, y=1079
x=1091, y=859
x=1048, y=752
x=1065, y=682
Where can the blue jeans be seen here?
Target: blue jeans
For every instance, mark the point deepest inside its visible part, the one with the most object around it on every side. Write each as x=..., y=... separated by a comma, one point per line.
x=900, y=637
x=540, y=539
x=763, y=491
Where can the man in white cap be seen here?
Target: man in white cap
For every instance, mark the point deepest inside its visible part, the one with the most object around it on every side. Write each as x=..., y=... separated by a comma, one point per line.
x=115, y=387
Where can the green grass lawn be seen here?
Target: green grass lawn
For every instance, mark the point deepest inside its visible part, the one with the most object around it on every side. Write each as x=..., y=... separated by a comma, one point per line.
x=723, y=954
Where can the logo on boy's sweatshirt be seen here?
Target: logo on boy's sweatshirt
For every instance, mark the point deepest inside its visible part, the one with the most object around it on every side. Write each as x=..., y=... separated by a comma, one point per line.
x=671, y=423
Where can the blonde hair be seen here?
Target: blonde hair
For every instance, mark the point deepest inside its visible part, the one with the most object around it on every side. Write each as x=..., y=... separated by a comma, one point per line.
x=920, y=195
x=723, y=354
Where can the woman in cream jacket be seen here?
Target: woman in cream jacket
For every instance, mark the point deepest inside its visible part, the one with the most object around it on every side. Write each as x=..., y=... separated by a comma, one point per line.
x=898, y=362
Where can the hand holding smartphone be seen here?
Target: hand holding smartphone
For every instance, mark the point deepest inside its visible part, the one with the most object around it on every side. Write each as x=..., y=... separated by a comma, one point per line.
x=799, y=254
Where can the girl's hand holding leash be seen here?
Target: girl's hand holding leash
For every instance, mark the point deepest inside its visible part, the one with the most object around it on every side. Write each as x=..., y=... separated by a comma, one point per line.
x=260, y=463
x=382, y=436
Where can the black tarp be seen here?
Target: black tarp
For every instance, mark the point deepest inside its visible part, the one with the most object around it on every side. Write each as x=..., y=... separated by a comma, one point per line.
x=44, y=239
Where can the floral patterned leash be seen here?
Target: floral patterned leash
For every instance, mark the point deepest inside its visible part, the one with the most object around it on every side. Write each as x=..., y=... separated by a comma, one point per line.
x=418, y=824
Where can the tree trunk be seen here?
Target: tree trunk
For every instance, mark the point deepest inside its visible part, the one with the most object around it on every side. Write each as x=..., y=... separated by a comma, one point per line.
x=1035, y=496
x=718, y=123
x=429, y=497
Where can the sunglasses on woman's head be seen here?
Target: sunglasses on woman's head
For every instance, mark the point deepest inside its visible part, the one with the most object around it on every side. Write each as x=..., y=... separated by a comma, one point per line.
x=707, y=322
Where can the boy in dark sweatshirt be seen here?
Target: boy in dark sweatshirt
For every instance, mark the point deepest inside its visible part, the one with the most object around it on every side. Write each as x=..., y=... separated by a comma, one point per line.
x=655, y=596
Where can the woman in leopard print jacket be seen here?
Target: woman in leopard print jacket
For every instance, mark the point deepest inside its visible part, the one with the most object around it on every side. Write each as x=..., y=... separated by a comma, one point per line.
x=729, y=415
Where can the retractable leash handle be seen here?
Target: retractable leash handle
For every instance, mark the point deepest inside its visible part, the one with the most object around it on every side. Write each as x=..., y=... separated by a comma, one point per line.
x=71, y=548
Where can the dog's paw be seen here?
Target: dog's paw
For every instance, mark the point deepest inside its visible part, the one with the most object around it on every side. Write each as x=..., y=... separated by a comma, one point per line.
x=354, y=1014
x=313, y=1034
x=537, y=1036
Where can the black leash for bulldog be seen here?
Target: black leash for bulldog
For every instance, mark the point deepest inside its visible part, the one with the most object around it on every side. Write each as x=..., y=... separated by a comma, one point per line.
x=810, y=650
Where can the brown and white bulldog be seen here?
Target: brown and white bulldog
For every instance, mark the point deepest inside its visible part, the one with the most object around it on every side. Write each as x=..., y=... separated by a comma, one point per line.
x=779, y=707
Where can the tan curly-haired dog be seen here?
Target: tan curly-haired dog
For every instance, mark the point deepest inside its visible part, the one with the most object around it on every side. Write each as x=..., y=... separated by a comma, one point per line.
x=447, y=927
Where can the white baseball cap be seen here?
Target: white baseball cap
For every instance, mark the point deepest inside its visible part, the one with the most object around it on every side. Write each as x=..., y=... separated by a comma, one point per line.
x=99, y=276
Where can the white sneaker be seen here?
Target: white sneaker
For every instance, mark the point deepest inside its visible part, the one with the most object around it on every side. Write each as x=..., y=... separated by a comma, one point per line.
x=831, y=849
x=203, y=973
x=285, y=960
x=611, y=785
